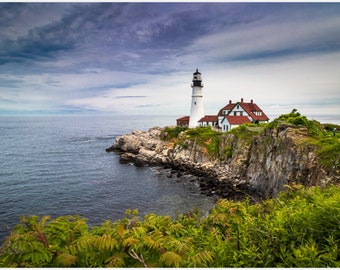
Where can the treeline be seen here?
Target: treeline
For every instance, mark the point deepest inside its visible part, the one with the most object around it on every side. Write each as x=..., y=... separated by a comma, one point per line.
x=299, y=228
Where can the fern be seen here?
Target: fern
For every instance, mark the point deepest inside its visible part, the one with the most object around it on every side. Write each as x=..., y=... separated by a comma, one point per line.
x=138, y=231
x=130, y=242
x=121, y=231
x=300, y=228
x=151, y=243
x=86, y=243
x=105, y=243
x=203, y=258
x=171, y=258
x=66, y=260
x=176, y=227
x=182, y=246
x=116, y=260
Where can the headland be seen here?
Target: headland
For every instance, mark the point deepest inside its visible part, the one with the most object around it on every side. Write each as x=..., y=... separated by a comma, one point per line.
x=254, y=161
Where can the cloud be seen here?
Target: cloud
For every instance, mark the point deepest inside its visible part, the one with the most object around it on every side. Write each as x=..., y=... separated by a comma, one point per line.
x=270, y=39
x=293, y=82
x=17, y=19
x=131, y=96
x=147, y=106
x=133, y=58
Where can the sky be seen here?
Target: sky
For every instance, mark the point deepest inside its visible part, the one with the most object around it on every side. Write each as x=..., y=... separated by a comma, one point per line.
x=139, y=58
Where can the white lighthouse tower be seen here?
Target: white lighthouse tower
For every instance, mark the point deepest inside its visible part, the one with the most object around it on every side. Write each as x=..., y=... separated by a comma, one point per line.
x=196, y=111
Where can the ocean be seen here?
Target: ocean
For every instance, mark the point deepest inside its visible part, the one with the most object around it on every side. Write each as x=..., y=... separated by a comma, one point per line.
x=57, y=165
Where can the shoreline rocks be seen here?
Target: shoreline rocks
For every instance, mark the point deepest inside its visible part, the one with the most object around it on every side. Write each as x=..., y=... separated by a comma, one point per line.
x=258, y=168
x=147, y=149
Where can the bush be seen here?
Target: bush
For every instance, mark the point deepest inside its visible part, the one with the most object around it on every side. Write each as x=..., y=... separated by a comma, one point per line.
x=330, y=127
x=172, y=133
x=329, y=154
x=247, y=131
x=300, y=228
x=295, y=118
x=206, y=137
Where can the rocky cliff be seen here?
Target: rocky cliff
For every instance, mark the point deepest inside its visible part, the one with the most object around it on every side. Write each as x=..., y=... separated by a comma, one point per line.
x=256, y=166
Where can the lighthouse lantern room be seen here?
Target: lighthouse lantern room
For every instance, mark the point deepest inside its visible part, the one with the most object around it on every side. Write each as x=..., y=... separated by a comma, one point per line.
x=196, y=111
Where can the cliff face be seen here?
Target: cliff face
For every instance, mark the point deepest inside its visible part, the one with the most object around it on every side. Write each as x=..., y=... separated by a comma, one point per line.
x=276, y=158
x=260, y=166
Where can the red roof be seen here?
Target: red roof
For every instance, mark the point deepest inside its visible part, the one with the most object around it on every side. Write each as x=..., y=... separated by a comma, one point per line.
x=237, y=120
x=209, y=118
x=251, y=108
x=184, y=118
x=228, y=107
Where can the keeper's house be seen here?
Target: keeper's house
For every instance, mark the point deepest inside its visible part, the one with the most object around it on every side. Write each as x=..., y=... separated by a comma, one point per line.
x=235, y=114
x=230, y=116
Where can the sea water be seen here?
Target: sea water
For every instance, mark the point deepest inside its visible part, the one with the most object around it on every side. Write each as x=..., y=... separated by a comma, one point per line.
x=57, y=165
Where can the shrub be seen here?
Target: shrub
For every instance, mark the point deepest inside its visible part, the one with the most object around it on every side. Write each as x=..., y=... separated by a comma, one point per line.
x=300, y=228
x=295, y=118
x=246, y=132
x=206, y=137
x=228, y=151
x=173, y=132
x=329, y=154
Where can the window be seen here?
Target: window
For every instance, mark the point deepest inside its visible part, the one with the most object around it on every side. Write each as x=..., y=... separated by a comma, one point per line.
x=241, y=113
x=235, y=113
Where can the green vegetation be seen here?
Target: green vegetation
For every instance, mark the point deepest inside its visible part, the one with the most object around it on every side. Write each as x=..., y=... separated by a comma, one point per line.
x=246, y=132
x=329, y=153
x=314, y=128
x=228, y=151
x=327, y=146
x=330, y=127
x=203, y=136
x=172, y=133
x=206, y=137
x=300, y=228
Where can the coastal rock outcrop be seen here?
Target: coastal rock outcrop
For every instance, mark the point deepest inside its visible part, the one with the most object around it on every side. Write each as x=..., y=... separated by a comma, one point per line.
x=257, y=168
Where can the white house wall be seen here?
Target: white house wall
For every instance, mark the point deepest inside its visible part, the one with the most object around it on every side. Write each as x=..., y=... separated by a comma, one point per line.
x=225, y=125
x=239, y=111
x=206, y=124
x=220, y=119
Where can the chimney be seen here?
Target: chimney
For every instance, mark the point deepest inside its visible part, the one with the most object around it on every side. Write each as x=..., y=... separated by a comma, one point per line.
x=241, y=100
x=230, y=101
x=251, y=101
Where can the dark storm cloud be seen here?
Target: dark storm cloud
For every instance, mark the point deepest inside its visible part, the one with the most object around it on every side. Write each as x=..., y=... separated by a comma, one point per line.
x=134, y=33
x=32, y=50
x=149, y=31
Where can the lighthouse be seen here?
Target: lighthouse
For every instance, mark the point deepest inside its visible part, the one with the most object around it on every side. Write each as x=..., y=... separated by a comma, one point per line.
x=196, y=111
